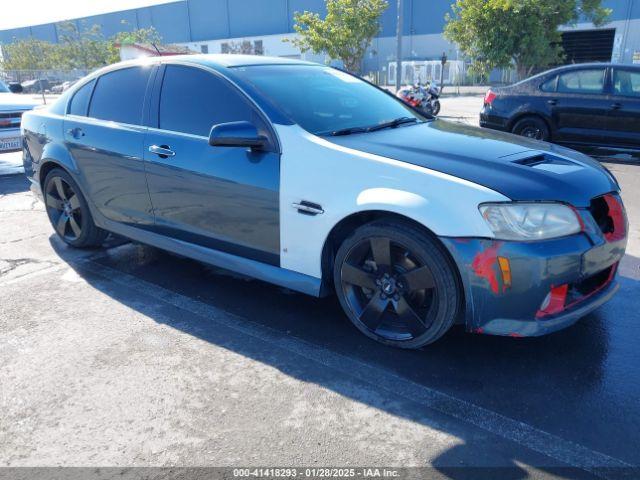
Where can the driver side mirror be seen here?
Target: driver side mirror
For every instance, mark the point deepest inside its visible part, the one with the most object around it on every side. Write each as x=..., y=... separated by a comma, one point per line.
x=15, y=87
x=237, y=134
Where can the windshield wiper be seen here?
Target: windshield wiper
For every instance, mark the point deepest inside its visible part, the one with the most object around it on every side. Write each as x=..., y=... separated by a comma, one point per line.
x=348, y=131
x=393, y=123
x=373, y=128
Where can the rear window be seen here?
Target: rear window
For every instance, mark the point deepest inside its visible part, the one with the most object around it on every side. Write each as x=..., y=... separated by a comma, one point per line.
x=119, y=95
x=80, y=101
x=582, y=81
x=549, y=85
x=626, y=82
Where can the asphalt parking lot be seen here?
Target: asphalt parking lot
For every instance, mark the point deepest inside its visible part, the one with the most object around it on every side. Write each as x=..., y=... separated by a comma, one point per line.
x=129, y=356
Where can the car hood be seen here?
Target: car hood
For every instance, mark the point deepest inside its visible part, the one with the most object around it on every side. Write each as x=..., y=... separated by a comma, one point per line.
x=519, y=168
x=11, y=102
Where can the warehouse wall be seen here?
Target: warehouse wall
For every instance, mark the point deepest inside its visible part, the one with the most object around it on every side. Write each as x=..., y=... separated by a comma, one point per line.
x=196, y=21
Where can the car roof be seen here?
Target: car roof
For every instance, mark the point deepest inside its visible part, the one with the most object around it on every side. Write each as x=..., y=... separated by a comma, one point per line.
x=577, y=66
x=216, y=60
x=573, y=66
x=597, y=64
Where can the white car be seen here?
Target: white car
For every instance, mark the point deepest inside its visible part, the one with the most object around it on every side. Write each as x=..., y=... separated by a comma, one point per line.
x=12, y=106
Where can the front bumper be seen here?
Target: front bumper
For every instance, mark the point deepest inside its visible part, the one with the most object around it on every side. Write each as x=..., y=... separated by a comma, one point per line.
x=582, y=267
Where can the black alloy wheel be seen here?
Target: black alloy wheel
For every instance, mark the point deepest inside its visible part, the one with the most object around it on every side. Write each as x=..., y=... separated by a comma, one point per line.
x=63, y=207
x=396, y=285
x=68, y=211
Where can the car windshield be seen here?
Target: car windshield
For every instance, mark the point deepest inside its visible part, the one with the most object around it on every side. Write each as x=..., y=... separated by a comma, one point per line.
x=3, y=87
x=327, y=101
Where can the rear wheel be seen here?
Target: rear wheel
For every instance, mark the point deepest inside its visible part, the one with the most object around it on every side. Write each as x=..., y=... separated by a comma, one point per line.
x=532, y=127
x=68, y=211
x=396, y=284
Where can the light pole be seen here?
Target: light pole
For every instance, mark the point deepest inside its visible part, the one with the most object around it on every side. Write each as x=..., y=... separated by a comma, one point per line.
x=399, y=48
x=443, y=61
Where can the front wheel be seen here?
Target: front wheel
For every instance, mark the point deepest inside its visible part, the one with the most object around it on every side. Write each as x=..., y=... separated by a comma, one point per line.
x=396, y=284
x=435, y=108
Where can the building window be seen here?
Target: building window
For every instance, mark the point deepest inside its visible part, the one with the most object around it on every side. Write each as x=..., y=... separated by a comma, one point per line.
x=204, y=48
x=258, y=48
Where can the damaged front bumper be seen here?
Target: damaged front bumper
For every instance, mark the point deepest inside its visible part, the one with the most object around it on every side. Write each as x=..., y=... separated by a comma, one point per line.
x=535, y=288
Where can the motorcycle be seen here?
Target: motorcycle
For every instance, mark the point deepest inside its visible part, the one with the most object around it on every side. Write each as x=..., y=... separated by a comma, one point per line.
x=423, y=97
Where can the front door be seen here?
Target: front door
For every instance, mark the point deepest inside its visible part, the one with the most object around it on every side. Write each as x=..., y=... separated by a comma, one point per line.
x=624, y=113
x=580, y=106
x=107, y=145
x=225, y=198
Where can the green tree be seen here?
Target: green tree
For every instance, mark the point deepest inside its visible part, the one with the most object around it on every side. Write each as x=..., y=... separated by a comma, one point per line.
x=142, y=35
x=344, y=34
x=524, y=33
x=28, y=54
x=78, y=48
x=81, y=47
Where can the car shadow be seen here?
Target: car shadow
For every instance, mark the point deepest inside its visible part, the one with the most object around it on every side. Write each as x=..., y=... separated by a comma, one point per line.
x=13, y=184
x=526, y=379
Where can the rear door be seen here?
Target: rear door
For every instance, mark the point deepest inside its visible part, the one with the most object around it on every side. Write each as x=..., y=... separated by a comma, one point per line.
x=580, y=106
x=104, y=132
x=624, y=113
x=225, y=198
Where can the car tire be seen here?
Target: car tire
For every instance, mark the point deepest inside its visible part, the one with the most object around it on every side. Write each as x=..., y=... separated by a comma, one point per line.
x=397, y=284
x=532, y=127
x=68, y=211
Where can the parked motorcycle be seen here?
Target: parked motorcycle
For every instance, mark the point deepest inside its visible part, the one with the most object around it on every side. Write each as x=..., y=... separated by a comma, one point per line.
x=423, y=97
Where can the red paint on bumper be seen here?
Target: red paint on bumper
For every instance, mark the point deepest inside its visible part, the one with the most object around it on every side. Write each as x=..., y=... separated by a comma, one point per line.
x=485, y=265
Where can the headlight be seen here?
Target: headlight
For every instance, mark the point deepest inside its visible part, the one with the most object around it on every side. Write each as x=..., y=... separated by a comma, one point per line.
x=530, y=221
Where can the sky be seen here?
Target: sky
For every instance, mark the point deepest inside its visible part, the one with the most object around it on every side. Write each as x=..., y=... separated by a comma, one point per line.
x=34, y=12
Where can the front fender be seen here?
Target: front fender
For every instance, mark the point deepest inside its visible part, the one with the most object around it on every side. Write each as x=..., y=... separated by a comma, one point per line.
x=345, y=182
x=390, y=199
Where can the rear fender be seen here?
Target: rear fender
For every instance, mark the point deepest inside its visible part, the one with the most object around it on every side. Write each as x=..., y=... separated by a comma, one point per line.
x=57, y=153
x=527, y=110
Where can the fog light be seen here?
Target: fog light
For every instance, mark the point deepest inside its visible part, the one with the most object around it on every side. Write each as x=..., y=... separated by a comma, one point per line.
x=554, y=302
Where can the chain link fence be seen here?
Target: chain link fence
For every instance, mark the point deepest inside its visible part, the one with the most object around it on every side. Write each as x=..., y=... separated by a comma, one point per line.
x=454, y=76
x=42, y=81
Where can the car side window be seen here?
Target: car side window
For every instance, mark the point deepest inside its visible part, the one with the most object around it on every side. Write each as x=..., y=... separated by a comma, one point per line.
x=80, y=101
x=192, y=100
x=550, y=85
x=119, y=95
x=626, y=82
x=582, y=81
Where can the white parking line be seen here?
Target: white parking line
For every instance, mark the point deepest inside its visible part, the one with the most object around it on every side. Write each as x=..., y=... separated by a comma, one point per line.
x=523, y=434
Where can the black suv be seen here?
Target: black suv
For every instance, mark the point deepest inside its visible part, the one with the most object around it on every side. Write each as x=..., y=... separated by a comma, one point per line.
x=587, y=104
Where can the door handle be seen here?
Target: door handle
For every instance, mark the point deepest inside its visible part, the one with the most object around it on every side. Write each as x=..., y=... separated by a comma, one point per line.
x=308, y=208
x=552, y=102
x=616, y=106
x=163, y=151
x=76, y=132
